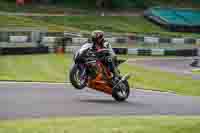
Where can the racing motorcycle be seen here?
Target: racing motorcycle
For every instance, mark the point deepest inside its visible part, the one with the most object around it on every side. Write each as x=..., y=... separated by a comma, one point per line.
x=90, y=70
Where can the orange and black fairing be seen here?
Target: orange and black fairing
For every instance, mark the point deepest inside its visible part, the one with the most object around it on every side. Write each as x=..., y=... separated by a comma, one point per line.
x=99, y=83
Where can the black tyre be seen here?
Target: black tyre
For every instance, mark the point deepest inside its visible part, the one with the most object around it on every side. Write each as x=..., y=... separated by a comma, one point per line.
x=74, y=77
x=121, y=92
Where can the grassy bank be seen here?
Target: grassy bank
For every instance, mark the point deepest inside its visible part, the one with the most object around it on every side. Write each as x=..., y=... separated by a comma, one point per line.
x=16, y=22
x=115, y=24
x=106, y=23
x=152, y=124
x=55, y=68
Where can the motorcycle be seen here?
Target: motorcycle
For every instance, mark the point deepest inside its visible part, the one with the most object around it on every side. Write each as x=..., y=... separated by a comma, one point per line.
x=90, y=70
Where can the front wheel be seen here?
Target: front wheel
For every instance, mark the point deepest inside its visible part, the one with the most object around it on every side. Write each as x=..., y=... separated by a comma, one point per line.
x=121, y=92
x=75, y=77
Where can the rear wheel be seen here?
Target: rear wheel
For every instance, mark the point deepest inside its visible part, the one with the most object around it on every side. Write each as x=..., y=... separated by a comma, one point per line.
x=121, y=92
x=75, y=77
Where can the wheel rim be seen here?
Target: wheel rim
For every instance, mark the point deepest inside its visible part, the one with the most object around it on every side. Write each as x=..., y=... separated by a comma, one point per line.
x=122, y=91
x=77, y=77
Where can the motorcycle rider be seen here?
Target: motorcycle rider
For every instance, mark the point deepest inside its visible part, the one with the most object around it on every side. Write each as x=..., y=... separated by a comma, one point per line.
x=99, y=42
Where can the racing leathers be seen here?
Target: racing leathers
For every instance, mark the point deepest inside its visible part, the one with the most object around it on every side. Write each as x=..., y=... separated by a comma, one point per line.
x=111, y=62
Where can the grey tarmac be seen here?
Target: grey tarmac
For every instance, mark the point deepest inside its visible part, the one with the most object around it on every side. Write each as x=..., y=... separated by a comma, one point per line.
x=47, y=100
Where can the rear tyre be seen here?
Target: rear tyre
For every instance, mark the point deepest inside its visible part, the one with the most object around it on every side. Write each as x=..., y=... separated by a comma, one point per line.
x=74, y=77
x=121, y=92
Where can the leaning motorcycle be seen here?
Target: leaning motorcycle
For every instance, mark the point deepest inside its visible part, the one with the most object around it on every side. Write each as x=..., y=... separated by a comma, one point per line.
x=90, y=70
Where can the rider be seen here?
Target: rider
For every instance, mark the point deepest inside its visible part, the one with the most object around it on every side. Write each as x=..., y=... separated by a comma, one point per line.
x=100, y=43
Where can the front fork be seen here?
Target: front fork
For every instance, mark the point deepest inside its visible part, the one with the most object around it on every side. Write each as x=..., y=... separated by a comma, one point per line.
x=126, y=77
x=83, y=74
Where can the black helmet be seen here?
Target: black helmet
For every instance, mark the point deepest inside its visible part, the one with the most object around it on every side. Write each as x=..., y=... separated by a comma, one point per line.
x=97, y=36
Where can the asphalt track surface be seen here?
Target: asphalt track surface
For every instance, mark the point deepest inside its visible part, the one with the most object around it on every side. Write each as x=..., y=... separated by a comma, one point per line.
x=180, y=66
x=42, y=100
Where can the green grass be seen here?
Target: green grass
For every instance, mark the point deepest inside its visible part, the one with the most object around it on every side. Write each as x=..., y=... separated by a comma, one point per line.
x=151, y=124
x=196, y=71
x=55, y=68
x=106, y=23
x=16, y=21
x=35, y=67
x=115, y=24
x=162, y=81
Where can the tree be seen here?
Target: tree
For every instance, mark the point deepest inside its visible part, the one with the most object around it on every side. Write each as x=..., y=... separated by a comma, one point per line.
x=101, y=4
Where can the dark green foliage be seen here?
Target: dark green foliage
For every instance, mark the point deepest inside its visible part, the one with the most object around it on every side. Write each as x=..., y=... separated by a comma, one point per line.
x=122, y=4
x=131, y=3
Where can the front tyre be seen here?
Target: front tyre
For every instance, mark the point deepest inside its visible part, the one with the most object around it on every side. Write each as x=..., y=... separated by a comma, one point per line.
x=121, y=92
x=75, y=77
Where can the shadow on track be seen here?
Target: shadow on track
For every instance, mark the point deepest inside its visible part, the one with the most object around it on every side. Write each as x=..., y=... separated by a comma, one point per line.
x=127, y=103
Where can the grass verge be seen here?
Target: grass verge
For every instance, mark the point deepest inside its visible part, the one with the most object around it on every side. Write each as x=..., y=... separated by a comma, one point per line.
x=197, y=71
x=115, y=24
x=55, y=68
x=154, y=79
x=150, y=124
x=17, y=21
x=49, y=67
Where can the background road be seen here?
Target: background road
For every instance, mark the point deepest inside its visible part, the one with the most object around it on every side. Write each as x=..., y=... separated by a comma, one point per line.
x=180, y=66
x=36, y=100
